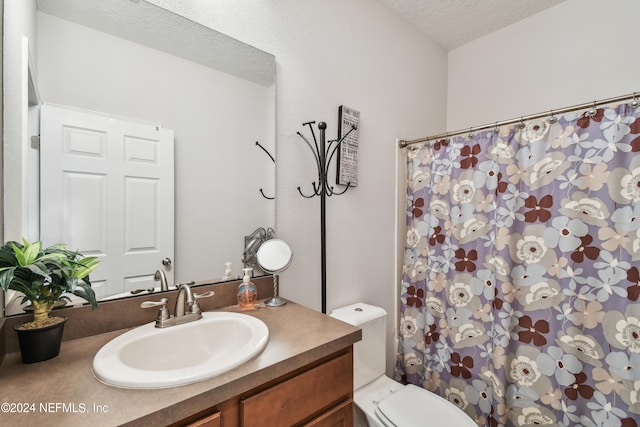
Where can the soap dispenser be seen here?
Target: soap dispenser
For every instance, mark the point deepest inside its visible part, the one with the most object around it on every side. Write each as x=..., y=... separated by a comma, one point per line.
x=247, y=292
x=228, y=274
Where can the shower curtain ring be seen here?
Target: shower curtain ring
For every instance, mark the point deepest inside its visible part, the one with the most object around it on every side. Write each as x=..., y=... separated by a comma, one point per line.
x=470, y=136
x=521, y=125
x=635, y=103
x=552, y=118
x=496, y=130
x=592, y=112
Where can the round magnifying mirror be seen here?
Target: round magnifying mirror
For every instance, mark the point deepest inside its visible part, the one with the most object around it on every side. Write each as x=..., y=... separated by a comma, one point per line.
x=273, y=257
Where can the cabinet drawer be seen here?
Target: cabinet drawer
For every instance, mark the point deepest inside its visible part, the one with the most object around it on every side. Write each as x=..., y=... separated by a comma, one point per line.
x=302, y=396
x=209, y=421
x=340, y=416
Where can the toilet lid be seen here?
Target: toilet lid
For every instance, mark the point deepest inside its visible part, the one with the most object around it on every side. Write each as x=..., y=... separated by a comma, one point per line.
x=400, y=410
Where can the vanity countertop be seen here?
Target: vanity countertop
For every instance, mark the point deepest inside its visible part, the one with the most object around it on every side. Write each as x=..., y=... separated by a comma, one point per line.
x=63, y=391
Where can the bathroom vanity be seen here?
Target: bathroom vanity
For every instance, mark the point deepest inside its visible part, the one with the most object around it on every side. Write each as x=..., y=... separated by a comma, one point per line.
x=304, y=376
x=319, y=394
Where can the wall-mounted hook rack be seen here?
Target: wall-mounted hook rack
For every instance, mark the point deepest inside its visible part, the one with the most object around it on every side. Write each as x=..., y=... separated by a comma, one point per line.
x=323, y=155
x=274, y=161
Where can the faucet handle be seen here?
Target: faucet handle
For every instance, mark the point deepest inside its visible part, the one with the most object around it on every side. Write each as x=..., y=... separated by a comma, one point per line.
x=163, y=312
x=150, y=304
x=195, y=307
x=204, y=295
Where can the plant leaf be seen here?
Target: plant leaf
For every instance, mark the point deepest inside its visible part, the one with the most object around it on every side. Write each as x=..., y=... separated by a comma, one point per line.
x=83, y=290
x=43, y=275
x=84, y=267
x=6, y=276
x=31, y=253
x=19, y=255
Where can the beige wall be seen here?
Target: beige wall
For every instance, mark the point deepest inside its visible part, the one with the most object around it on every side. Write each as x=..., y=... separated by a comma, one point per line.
x=573, y=53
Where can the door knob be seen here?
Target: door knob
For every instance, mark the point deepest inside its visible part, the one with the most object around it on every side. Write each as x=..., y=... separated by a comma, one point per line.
x=166, y=262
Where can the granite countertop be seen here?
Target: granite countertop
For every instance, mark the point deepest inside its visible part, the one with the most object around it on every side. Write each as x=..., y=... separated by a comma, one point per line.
x=63, y=391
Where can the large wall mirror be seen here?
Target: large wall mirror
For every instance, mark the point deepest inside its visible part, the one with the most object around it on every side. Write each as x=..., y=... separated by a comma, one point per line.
x=133, y=61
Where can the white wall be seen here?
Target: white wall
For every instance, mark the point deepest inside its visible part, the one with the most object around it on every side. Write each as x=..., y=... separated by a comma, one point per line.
x=19, y=38
x=216, y=119
x=332, y=52
x=573, y=53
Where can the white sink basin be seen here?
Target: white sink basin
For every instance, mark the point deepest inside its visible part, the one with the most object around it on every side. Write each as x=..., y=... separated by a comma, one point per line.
x=150, y=357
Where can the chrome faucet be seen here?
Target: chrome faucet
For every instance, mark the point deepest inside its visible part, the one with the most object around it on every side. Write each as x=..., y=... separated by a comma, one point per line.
x=186, y=310
x=185, y=300
x=160, y=276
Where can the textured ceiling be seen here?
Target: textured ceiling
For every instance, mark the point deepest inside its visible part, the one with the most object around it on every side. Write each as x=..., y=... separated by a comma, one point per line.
x=152, y=26
x=452, y=23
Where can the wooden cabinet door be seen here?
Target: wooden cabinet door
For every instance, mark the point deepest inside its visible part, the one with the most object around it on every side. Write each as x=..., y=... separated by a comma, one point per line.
x=301, y=397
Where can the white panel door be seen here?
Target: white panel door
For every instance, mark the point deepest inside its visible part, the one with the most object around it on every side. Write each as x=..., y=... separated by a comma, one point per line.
x=107, y=190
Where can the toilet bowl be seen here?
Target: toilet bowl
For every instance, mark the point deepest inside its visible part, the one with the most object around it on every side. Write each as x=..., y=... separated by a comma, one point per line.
x=381, y=401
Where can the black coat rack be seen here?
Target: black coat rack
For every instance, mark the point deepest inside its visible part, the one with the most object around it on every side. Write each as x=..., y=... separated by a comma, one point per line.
x=323, y=154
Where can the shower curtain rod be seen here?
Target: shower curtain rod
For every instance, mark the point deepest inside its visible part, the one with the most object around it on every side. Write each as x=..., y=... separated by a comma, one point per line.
x=635, y=103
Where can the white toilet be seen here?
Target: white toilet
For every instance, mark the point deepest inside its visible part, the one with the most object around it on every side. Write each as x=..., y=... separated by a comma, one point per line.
x=384, y=401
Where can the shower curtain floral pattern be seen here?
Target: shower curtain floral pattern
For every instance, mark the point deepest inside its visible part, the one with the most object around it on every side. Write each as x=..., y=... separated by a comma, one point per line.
x=521, y=283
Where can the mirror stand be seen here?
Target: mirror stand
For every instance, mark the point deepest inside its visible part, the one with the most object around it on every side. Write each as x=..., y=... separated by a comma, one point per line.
x=274, y=256
x=276, y=300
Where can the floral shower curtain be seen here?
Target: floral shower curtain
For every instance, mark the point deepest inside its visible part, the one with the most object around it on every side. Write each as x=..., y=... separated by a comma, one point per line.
x=519, y=299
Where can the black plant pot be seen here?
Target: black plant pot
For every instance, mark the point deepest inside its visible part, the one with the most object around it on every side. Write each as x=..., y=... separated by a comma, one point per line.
x=37, y=345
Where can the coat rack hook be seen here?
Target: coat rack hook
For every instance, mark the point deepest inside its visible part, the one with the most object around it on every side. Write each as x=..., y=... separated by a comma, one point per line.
x=266, y=151
x=273, y=160
x=333, y=193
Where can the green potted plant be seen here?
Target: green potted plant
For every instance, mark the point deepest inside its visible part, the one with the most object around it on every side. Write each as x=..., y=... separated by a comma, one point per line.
x=44, y=276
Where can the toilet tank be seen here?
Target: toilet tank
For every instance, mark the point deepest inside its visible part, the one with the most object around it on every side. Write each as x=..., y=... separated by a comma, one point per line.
x=369, y=353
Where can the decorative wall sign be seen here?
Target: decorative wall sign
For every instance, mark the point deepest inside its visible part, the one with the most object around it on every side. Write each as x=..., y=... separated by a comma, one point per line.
x=347, y=163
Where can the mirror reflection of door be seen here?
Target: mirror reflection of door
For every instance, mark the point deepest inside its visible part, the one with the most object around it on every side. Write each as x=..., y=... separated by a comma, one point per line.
x=216, y=93
x=107, y=189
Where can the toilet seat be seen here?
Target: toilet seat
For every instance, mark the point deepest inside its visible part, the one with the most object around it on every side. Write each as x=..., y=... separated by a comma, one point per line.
x=367, y=397
x=400, y=409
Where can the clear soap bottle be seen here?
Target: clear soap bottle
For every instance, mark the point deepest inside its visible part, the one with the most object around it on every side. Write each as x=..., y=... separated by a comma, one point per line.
x=247, y=292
